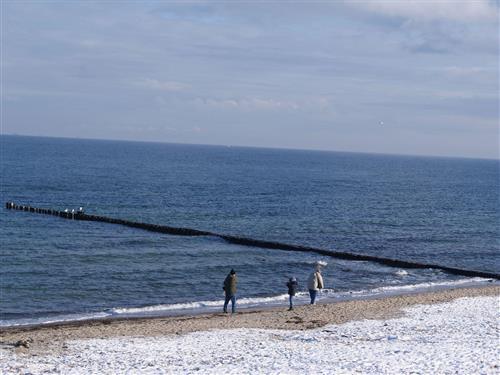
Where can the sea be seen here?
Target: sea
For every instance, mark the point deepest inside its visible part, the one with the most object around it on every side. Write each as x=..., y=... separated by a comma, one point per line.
x=428, y=209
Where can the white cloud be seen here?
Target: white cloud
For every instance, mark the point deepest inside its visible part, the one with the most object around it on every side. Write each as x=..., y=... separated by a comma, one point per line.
x=466, y=71
x=90, y=43
x=454, y=95
x=269, y=104
x=458, y=10
x=320, y=103
x=247, y=103
x=155, y=84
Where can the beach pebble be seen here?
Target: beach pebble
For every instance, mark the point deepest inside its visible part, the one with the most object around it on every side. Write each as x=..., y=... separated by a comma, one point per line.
x=23, y=343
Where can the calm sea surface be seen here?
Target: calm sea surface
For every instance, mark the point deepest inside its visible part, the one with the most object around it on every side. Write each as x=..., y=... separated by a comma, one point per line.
x=436, y=210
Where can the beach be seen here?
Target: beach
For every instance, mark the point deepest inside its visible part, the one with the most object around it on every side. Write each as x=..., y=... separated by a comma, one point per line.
x=431, y=331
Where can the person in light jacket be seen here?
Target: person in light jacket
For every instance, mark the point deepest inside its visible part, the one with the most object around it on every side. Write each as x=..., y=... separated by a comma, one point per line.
x=230, y=290
x=315, y=283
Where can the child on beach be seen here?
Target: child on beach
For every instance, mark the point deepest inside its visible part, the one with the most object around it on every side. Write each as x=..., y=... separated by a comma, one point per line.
x=292, y=285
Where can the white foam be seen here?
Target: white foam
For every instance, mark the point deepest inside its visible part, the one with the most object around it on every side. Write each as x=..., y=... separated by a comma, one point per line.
x=204, y=305
x=432, y=285
x=53, y=319
x=456, y=337
x=157, y=308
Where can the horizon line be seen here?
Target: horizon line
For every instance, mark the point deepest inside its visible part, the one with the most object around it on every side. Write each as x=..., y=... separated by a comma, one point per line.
x=255, y=147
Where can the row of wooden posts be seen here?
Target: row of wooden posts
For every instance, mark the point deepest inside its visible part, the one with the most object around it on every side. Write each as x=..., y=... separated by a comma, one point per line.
x=245, y=241
x=81, y=215
x=47, y=211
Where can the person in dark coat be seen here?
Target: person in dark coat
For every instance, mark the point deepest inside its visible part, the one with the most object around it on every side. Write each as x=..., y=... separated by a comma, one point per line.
x=230, y=290
x=292, y=285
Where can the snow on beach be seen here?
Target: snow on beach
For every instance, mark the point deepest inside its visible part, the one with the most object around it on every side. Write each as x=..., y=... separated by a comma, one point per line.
x=461, y=336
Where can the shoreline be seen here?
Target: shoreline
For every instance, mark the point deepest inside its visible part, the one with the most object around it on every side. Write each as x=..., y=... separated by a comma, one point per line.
x=52, y=337
x=338, y=297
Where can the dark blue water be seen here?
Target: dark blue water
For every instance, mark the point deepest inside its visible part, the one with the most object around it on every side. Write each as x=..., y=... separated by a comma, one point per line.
x=435, y=210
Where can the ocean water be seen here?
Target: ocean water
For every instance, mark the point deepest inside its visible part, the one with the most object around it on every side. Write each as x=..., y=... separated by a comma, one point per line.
x=435, y=210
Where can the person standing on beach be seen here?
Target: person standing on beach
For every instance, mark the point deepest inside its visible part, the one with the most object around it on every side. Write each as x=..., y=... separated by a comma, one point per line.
x=315, y=282
x=292, y=289
x=230, y=290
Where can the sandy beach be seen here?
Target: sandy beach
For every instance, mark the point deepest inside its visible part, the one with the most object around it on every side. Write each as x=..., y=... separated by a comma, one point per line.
x=53, y=339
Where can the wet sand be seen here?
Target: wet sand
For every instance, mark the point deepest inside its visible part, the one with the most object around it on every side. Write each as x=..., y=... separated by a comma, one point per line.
x=52, y=338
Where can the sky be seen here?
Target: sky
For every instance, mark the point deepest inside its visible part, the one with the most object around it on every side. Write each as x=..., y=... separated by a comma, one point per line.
x=403, y=77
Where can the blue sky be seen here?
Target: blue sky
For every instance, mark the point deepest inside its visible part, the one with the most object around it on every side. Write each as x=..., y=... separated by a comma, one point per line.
x=412, y=77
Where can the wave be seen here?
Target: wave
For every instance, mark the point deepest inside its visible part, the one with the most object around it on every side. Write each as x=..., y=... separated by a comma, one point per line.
x=242, y=302
x=201, y=307
x=53, y=319
x=433, y=285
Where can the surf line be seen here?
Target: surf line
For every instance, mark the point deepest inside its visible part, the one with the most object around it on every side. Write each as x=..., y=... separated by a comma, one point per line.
x=80, y=215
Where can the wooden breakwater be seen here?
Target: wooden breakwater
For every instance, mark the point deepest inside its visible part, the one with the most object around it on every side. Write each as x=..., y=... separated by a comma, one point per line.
x=80, y=215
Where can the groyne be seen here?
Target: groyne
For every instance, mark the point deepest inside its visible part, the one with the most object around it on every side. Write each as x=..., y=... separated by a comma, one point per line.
x=245, y=241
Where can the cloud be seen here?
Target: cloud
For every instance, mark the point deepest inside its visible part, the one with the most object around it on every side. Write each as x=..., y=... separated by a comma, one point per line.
x=90, y=43
x=454, y=94
x=466, y=71
x=155, y=84
x=247, y=103
x=457, y=10
x=269, y=104
x=431, y=37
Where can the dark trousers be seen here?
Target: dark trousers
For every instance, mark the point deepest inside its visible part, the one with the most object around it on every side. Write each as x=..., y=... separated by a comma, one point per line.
x=312, y=294
x=233, y=303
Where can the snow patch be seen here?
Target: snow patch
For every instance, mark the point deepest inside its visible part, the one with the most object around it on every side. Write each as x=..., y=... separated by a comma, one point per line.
x=456, y=337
